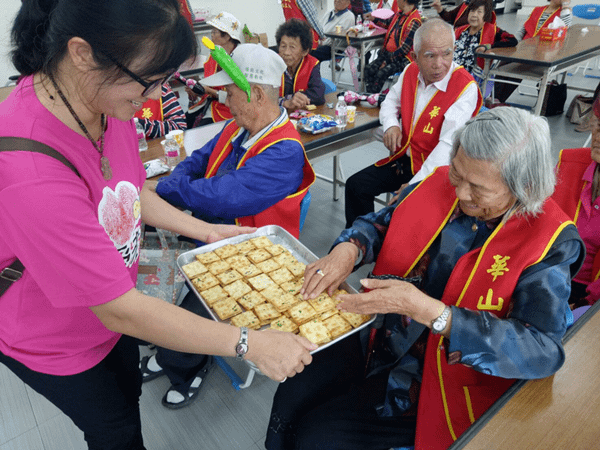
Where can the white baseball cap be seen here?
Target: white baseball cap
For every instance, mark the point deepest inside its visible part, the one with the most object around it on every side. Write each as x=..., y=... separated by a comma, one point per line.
x=258, y=64
x=228, y=24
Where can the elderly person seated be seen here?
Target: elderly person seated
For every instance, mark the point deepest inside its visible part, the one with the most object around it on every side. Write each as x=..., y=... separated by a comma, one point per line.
x=578, y=194
x=494, y=257
x=340, y=15
x=395, y=54
x=458, y=16
x=480, y=31
x=302, y=84
x=254, y=172
x=163, y=115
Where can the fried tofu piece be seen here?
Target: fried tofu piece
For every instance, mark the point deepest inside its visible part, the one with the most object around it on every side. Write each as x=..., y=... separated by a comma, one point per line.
x=315, y=332
x=193, y=269
x=245, y=247
x=302, y=312
x=355, y=320
x=250, y=271
x=226, y=251
x=258, y=255
x=218, y=267
x=246, y=319
x=238, y=261
x=229, y=276
x=322, y=303
x=266, y=312
x=261, y=282
x=213, y=295
x=207, y=258
x=268, y=266
x=251, y=299
x=226, y=308
x=237, y=289
x=296, y=268
x=281, y=275
x=261, y=242
x=205, y=281
x=284, y=324
x=337, y=326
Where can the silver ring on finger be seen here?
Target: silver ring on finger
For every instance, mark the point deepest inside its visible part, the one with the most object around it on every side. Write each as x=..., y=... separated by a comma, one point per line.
x=283, y=381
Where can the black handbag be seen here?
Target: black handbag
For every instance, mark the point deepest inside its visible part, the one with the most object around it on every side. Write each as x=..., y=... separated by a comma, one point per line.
x=554, y=99
x=14, y=271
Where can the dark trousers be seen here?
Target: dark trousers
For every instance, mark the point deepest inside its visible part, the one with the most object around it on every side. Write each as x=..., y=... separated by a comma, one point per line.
x=364, y=186
x=103, y=401
x=331, y=406
x=181, y=368
x=376, y=76
x=322, y=53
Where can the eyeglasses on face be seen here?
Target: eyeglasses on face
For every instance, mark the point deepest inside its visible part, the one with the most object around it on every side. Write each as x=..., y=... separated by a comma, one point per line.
x=148, y=86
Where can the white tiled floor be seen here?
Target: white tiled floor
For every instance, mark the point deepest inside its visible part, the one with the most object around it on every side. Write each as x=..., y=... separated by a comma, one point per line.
x=222, y=418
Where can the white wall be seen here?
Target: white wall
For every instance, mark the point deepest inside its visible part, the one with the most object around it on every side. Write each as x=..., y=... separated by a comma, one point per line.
x=9, y=10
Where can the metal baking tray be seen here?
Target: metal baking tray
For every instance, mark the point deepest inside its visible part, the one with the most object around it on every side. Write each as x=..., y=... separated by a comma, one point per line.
x=279, y=236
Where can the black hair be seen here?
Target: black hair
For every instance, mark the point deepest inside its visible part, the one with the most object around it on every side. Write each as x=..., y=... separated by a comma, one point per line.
x=295, y=28
x=487, y=7
x=119, y=29
x=412, y=2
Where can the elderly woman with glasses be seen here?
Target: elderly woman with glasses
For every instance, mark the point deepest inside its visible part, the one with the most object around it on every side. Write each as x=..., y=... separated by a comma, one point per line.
x=493, y=259
x=72, y=217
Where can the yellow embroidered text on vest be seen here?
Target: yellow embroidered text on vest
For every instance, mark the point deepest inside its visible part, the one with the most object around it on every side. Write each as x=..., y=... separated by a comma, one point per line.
x=434, y=112
x=147, y=114
x=428, y=129
x=488, y=304
x=499, y=267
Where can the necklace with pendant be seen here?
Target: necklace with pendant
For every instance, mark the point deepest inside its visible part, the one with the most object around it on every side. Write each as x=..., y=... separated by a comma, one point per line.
x=104, y=162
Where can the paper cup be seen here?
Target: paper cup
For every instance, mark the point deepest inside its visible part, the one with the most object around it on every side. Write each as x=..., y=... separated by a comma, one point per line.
x=351, y=110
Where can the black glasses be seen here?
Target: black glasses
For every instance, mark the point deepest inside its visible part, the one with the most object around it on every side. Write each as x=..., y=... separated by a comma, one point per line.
x=148, y=87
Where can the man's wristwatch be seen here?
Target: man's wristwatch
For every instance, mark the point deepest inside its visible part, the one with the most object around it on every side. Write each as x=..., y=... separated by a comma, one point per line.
x=439, y=325
x=241, y=348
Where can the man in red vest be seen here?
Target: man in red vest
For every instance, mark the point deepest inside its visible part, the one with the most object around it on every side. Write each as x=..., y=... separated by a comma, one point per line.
x=252, y=173
x=493, y=257
x=431, y=100
x=578, y=194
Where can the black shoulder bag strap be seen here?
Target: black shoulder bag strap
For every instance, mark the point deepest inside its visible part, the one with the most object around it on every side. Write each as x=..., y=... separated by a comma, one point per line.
x=13, y=272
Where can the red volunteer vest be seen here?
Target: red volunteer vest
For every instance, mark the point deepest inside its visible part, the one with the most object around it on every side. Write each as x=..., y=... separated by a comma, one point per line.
x=302, y=75
x=286, y=212
x=532, y=25
x=488, y=33
x=394, y=5
x=390, y=44
x=425, y=134
x=151, y=110
x=572, y=164
x=452, y=397
x=219, y=111
x=186, y=11
x=292, y=10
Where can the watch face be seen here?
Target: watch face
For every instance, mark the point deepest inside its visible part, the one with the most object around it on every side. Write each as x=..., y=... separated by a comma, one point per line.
x=241, y=349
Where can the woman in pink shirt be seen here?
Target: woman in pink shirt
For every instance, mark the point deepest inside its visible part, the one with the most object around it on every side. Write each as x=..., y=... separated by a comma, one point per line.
x=87, y=67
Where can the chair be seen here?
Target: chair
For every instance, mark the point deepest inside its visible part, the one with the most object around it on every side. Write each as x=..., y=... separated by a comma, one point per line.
x=329, y=86
x=587, y=12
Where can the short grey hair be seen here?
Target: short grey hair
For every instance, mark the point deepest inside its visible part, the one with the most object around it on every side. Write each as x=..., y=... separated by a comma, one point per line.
x=518, y=143
x=272, y=92
x=429, y=28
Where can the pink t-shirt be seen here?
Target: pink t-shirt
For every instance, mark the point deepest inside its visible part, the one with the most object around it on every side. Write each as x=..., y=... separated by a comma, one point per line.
x=77, y=237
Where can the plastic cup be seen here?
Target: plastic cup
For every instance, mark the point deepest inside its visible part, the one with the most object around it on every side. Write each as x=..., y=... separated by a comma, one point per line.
x=351, y=111
x=338, y=29
x=178, y=136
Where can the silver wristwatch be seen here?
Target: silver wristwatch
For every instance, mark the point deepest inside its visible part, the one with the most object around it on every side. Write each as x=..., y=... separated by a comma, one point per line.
x=439, y=325
x=241, y=348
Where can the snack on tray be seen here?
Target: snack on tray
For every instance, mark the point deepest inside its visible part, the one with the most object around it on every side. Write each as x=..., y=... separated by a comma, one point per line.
x=257, y=283
x=193, y=269
x=315, y=332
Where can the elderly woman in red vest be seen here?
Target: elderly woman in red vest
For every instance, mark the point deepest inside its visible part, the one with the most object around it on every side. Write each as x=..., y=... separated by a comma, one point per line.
x=301, y=84
x=578, y=193
x=540, y=17
x=493, y=259
x=480, y=31
x=394, y=56
x=458, y=16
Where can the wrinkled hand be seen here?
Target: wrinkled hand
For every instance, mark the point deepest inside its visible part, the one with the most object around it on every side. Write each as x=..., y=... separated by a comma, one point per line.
x=191, y=94
x=437, y=5
x=278, y=354
x=384, y=297
x=220, y=232
x=397, y=193
x=298, y=101
x=335, y=268
x=392, y=138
